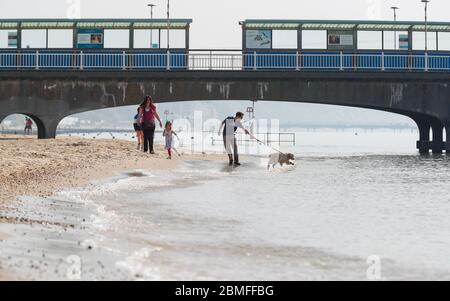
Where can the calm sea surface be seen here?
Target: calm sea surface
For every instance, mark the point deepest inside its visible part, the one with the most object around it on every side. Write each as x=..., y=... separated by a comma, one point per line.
x=354, y=199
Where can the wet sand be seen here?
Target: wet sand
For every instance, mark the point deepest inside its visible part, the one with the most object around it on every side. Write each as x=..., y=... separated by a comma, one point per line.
x=40, y=168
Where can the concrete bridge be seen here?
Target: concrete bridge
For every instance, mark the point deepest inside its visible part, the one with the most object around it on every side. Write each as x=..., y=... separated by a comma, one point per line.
x=49, y=96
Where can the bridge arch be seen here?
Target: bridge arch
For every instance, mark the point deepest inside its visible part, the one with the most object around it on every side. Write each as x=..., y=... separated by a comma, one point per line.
x=267, y=106
x=46, y=127
x=426, y=123
x=410, y=115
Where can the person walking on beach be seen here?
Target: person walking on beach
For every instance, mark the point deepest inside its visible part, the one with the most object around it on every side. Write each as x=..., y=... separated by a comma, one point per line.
x=149, y=115
x=230, y=126
x=28, y=126
x=138, y=129
x=168, y=134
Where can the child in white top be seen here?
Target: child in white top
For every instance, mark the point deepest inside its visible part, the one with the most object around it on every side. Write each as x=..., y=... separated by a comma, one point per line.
x=168, y=134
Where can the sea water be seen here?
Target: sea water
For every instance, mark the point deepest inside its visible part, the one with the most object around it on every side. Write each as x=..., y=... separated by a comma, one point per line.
x=355, y=200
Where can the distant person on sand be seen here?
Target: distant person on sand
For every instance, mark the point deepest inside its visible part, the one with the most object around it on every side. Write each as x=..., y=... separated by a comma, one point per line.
x=28, y=126
x=149, y=115
x=168, y=134
x=230, y=126
x=138, y=129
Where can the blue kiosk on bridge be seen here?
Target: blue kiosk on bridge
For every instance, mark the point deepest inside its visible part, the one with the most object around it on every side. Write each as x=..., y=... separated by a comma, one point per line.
x=92, y=44
x=346, y=45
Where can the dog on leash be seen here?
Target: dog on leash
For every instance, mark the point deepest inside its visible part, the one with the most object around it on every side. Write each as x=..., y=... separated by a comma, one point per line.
x=281, y=159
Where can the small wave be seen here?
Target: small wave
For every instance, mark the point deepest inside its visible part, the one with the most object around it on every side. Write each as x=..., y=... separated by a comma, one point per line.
x=139, y=265
x=104, y=219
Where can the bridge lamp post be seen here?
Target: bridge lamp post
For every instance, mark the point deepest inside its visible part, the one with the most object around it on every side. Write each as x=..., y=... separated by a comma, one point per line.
x=151, y=5
x=426, y=23
x=253, y=108
x=168, y=24
x=395, y=8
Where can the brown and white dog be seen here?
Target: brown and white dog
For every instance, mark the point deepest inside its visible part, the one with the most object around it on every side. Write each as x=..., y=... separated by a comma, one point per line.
x=281, y=159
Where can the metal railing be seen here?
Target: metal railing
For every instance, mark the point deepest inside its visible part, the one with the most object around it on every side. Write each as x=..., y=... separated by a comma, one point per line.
x=266, y=138
x=222, y=60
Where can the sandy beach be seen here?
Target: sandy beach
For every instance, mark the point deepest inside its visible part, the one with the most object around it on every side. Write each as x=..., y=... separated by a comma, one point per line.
x=32, y=167
x=40, y=167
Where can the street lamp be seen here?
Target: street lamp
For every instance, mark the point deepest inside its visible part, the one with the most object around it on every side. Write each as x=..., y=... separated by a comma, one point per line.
x=168, y=24
x=395, y=8
x=426, y=23
x=151, y=5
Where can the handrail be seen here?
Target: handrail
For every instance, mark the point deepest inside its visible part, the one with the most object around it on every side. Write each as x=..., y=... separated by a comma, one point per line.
x=265, y=137
x=217, y=60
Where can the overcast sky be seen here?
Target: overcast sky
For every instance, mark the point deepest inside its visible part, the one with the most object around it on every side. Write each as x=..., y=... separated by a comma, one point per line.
x=216, y=22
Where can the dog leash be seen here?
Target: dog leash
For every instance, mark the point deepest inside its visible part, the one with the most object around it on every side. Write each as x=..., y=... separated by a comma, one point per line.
x=251, y=136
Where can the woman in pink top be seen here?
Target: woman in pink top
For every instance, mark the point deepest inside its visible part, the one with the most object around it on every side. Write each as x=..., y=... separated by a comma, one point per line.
x=149, y=115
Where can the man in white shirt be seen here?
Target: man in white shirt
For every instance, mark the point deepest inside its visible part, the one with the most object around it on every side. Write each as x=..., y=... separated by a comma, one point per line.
x=230, y=126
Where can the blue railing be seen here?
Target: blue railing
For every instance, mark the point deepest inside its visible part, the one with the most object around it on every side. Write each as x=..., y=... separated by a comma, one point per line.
x=345, y=61
x=92, y=60
x=116, y=60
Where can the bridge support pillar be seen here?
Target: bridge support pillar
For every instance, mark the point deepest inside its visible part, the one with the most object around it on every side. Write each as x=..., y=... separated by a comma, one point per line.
x=424, y=144
x=1, y=120
x=438, y=144
x=47, y=126
x=447, y=141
